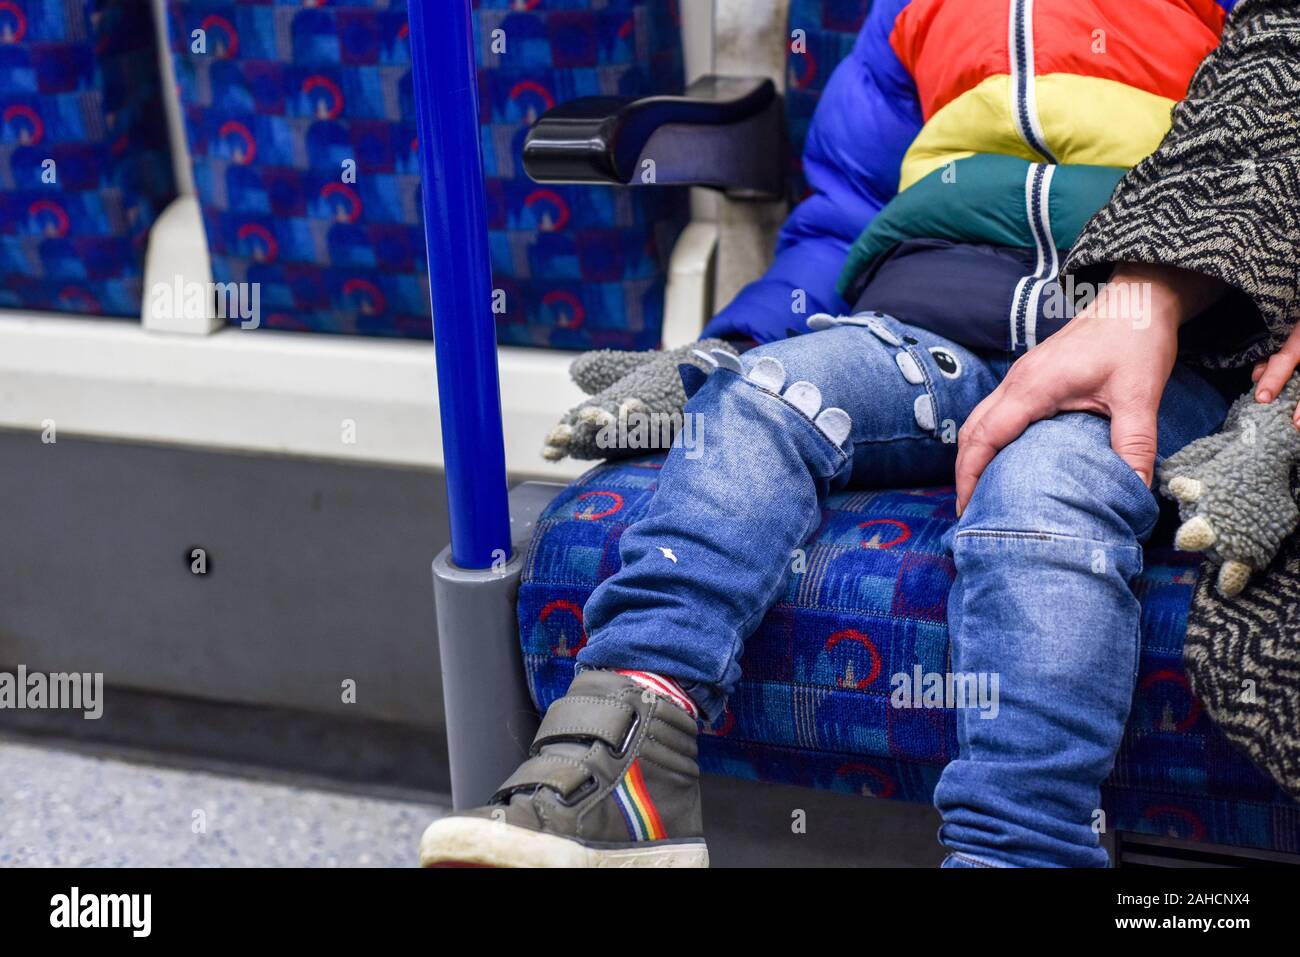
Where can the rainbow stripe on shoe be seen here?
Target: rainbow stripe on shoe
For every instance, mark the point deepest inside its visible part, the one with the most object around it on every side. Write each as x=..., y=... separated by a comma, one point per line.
x=639, y=811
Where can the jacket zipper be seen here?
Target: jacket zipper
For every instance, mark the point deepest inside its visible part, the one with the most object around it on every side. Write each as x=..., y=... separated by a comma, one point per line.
x=1038, y=179
x=1024, y=301
x=1024, y=102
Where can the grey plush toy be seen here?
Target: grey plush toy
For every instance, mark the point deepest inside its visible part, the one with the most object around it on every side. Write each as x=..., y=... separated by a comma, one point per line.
x=1233, y=488
x=622, y=385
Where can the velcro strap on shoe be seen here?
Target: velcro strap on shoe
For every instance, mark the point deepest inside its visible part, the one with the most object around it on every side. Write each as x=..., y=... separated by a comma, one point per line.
x=586, y=716
x=562, y=775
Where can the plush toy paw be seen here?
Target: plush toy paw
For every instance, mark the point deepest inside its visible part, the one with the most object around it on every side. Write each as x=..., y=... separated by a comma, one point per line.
x=1233, y=489
x=635, y=406
x=599, y=369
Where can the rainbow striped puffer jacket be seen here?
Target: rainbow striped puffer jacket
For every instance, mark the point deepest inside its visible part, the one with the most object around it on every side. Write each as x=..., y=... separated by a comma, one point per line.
x=1075, y=91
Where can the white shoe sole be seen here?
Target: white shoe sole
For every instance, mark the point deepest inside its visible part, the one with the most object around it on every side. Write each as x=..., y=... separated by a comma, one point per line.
x=481, y=842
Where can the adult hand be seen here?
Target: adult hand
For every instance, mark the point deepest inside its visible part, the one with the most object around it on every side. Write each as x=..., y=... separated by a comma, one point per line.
x=1272, y=374
x=1112, y=359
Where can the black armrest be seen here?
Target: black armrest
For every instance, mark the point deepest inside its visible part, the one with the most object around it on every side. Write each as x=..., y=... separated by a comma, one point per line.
x=723, y=132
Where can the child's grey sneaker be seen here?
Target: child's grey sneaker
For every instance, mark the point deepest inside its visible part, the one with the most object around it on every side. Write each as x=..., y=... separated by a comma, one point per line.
x=611, y=781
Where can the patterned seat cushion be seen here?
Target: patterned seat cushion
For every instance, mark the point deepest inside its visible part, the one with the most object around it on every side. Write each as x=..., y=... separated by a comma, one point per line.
x=813, y=704
x=85, y=166
x=301, y=125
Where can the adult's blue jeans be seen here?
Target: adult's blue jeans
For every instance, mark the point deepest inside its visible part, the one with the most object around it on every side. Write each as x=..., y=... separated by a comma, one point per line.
x=1044, y=552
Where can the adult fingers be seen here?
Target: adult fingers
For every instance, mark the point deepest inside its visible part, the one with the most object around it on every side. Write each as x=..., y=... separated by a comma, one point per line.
x=1133, y=437
x=993, y=425
x=1279, y=367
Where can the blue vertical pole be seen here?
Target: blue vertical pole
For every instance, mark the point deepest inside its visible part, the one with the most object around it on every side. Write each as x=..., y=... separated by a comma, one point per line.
x=460, y=279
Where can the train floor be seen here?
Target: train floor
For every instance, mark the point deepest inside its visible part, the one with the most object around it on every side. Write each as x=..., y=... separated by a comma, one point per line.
x=71, y=808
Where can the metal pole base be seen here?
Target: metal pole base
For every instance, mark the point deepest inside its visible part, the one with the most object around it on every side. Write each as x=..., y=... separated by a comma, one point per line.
x=490, y=716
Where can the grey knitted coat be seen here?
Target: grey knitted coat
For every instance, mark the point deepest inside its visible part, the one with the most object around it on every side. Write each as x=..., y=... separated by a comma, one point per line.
x=1221, y=196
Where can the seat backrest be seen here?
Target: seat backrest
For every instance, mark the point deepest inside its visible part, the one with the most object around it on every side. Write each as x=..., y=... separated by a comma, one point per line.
x=301, y=124
x=580, y=266
x=302, y=142
x=822, y=34
x=85, y=166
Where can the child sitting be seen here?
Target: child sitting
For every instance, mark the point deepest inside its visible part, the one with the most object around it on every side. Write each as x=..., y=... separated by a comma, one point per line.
x=956, y=152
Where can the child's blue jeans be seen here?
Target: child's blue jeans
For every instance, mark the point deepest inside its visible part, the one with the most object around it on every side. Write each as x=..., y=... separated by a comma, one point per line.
x=1044, y=553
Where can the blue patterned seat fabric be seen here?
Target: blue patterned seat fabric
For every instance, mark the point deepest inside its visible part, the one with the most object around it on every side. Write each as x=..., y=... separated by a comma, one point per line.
x=85, y=166
x=286, y=94
x=813, y=705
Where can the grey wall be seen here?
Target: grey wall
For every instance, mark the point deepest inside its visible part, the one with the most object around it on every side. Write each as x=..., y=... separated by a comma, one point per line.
x=318, y=572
